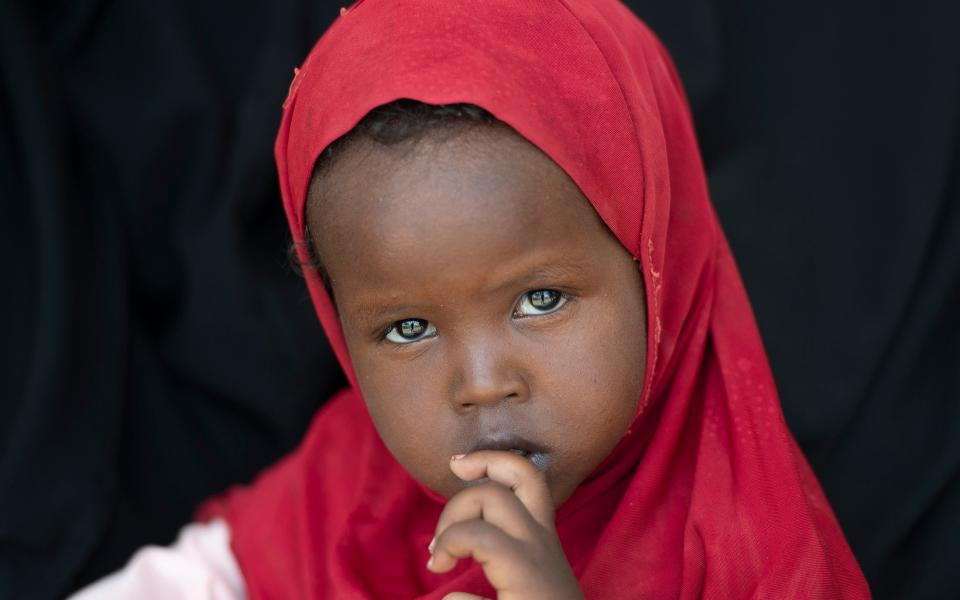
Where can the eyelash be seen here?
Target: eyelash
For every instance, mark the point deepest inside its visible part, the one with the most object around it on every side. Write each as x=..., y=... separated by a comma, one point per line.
x=429, y=330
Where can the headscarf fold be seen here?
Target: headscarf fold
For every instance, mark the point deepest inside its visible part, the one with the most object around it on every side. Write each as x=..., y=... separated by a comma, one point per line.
x=707, y=495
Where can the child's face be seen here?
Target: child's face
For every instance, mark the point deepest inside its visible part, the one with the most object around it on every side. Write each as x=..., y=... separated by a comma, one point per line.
x=484, y=304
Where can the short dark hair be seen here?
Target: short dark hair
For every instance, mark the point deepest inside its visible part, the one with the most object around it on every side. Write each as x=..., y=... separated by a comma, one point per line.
x=388, y=125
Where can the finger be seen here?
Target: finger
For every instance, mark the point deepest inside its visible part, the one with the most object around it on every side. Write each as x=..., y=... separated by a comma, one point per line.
x=479, y=540
x=491, y=502
x=463, y=596
x=516, y=472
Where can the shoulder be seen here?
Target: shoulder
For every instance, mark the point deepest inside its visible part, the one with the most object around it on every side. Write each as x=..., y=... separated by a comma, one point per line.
x=338, y=443
x=199, y=565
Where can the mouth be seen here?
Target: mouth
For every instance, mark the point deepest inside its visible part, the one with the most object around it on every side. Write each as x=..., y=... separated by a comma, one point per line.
x=515, y=444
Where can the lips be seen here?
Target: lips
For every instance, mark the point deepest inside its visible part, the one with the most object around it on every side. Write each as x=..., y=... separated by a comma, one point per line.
x=519, y=445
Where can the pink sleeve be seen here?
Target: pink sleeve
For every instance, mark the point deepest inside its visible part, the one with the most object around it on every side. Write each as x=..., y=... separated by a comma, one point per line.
x=198, y=566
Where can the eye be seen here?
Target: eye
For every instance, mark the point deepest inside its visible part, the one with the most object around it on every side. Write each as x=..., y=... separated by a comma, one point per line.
x=539, y=302
x=410, y=330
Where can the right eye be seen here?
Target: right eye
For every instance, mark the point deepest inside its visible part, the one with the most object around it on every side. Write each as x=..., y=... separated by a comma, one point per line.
x=410, y=330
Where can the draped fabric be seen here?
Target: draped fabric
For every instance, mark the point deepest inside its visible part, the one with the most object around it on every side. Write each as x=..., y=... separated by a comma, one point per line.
x=831, y=136
x=137, y=192
x=707, y=494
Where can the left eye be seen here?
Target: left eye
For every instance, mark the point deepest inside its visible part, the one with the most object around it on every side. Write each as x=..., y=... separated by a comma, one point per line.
x=539, y=302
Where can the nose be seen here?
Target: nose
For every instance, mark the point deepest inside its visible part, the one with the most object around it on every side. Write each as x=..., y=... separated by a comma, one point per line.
x=487, y=374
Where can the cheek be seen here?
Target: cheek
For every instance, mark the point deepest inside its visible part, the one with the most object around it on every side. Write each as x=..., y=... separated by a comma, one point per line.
x=404, y=408
x=598, y=370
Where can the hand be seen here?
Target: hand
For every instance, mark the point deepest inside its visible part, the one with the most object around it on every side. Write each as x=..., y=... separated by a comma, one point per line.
x=506, y=525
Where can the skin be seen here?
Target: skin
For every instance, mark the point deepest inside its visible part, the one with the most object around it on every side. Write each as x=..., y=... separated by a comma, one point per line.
x=457, y=232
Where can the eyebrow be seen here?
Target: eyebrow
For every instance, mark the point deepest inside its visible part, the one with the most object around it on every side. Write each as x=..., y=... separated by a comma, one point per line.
x=549, y=271
x=375, y=312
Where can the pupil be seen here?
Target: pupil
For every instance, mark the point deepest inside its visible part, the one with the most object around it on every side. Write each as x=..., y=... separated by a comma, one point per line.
x=544, y=298
x=411, y=328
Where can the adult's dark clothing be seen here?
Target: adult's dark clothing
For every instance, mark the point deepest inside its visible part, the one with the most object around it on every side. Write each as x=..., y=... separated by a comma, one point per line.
x=831, y=137
x=155, y=346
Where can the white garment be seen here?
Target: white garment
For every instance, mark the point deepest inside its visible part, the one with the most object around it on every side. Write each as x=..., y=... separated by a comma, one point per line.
x=198, y=566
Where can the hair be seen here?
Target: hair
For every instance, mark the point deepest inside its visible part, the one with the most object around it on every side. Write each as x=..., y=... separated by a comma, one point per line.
x=389, y=125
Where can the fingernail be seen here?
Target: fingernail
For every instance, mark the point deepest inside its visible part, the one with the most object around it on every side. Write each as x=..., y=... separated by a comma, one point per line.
x=430, y=563
x=433, y=544
x=457, y=456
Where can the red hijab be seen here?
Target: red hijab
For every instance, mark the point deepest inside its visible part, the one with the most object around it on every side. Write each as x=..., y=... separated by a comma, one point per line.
x=707, y=495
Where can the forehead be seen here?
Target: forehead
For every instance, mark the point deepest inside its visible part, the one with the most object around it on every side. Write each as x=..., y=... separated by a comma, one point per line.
x=477, y=199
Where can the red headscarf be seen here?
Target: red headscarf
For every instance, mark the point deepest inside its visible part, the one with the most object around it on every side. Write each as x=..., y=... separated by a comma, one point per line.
x=707, y=495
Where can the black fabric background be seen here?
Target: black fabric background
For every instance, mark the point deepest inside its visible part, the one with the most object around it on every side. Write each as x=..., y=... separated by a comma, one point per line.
x=160, y=347
x=155, y=348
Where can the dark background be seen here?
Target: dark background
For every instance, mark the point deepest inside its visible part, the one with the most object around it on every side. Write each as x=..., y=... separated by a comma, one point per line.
x=155, y=347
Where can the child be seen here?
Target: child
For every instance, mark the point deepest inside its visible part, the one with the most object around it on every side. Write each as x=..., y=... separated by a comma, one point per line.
x=554, y=368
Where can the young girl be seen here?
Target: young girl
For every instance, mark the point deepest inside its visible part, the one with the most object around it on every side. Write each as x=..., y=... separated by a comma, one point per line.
x=554, y=368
